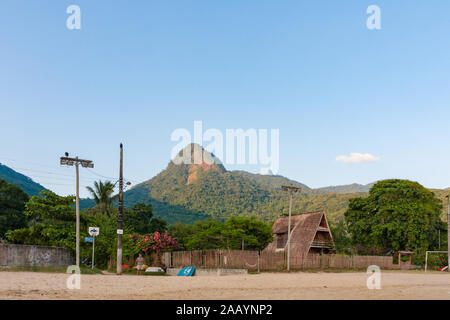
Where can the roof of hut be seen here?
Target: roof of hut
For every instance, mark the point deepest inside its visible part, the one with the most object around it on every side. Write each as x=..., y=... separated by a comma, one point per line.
x=303, y=227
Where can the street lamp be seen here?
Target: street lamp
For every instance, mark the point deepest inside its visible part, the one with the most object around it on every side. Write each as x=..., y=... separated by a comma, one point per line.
x=85, y=164
x=291, y=189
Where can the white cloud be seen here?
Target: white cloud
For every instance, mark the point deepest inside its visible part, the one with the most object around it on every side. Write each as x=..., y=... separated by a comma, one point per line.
x=355, y=157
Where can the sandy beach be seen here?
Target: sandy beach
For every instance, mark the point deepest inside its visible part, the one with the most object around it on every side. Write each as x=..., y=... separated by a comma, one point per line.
x=299, y=285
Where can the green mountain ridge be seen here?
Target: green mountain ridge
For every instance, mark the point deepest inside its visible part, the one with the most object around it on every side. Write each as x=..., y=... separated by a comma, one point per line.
x=349, y=188
x=27, y=184
x=31, y=187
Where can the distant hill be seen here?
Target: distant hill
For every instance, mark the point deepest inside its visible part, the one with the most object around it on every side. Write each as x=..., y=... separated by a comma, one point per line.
x=27, y=184
x=349, y=188
x=272, y=181
x=30, y=187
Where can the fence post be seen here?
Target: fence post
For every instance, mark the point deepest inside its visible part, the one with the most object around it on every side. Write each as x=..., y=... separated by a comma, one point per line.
x=259, y=252
x=203, y=259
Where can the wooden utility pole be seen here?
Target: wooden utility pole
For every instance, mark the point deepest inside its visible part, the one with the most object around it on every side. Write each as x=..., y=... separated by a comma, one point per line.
x=120, y=216
x=77, y=210
x=291, y=190
x=85, y=164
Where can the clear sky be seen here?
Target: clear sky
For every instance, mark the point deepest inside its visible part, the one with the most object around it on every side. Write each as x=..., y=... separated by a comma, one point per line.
x=138, y=70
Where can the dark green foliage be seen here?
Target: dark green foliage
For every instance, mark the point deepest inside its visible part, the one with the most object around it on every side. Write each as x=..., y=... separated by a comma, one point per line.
x=157, y=224
x=250, y=233
x=182, y=232
x=12, y=206
x=53, y=222
x=215, y=234
x=141, y=219
x=50, y=208
x=341, y=237
x=206, y=235
x=397, y=215
x=29, y=186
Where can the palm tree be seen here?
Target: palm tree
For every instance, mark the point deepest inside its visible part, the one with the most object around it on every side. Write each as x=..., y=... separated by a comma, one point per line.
x=102, y=193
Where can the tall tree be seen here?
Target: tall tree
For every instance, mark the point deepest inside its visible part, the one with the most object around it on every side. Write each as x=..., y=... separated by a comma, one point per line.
x=250, y=233
x=53, y=219
x=103, y=195
x=141, y=219
x=12, y=206
x=397, y=214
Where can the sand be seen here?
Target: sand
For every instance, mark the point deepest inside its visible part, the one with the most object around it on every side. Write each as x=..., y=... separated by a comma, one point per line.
x=299, y=285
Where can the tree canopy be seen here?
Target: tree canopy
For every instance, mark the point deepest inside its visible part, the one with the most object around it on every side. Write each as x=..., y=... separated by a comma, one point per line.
x=397, y=214
x=12, y=206
x=235, y=233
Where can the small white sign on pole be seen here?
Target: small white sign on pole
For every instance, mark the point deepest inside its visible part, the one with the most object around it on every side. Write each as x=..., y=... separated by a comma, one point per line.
x=119, y=231
x=94, y=231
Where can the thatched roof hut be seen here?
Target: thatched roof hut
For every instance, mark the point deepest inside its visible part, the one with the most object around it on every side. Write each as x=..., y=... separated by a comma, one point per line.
x=310, y=233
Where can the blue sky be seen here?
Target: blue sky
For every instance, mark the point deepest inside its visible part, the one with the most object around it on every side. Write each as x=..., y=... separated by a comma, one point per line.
x=138, y=70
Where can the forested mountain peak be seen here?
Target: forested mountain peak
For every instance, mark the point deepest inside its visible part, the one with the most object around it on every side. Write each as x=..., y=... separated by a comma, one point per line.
x=27, y=184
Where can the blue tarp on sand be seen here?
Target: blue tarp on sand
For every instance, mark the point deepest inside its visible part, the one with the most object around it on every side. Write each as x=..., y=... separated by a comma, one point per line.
x=186, y=272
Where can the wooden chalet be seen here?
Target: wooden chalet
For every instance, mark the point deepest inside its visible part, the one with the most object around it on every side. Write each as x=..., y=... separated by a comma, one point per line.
x=310, y=233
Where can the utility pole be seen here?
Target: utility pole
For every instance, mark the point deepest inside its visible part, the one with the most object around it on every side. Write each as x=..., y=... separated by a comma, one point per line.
x=291, y=190
x=85, y=164
x=120, y=216
x=448, y=232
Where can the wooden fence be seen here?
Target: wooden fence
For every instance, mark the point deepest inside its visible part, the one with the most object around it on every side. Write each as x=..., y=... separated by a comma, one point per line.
x=272, y=261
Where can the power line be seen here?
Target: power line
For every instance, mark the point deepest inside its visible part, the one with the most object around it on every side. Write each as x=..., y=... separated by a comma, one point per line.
x=111, y=178
x=51, y=173
x=29, y=162
x=99, y=175
x=55, y=184
x=59, y=167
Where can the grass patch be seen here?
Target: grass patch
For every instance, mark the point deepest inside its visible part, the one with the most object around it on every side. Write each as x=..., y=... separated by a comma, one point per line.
x=83, y=269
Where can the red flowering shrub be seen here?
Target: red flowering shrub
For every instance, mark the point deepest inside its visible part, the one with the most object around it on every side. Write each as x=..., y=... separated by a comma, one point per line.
x=155, y=242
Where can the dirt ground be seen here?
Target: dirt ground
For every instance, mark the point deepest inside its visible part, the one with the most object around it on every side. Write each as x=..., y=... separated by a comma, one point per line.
x=300, y=285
